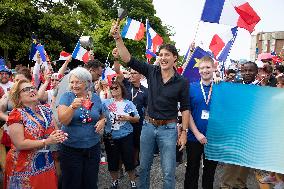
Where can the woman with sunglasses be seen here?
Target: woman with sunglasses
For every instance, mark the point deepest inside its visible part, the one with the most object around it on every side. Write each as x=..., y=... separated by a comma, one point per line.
x=5, y=108
x=81, y=112
x=119, y=140
x=31, y=128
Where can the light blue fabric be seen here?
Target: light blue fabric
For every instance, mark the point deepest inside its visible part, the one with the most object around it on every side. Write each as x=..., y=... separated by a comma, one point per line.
x=246, y=126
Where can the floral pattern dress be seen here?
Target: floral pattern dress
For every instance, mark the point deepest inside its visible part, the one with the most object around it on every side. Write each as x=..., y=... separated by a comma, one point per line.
x=31, y=169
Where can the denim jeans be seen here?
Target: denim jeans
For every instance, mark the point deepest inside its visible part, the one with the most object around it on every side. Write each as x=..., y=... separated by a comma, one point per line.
x=80, y=167
x=165, y=137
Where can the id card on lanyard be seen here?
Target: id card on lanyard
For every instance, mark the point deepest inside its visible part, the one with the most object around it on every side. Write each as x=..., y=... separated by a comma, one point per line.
x=205, y=113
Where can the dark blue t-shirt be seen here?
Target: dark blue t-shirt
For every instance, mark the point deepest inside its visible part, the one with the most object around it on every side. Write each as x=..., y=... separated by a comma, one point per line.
x=139, y=97
x=82, y=135
x=197, y=104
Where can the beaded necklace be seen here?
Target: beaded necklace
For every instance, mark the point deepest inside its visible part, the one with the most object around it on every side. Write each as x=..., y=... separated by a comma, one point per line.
x=85, y=116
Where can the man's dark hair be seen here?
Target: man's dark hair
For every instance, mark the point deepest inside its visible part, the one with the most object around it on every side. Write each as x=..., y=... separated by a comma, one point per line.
x=268, y=69
x=94, y=64
x=170, y=48
x=253, y=63
x=280, y=68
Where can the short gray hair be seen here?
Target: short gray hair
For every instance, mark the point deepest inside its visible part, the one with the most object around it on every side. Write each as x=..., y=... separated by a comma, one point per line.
x=83, y=75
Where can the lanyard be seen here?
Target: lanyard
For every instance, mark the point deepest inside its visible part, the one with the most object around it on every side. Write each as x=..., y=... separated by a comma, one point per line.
x=138, y=91
x=209, y=94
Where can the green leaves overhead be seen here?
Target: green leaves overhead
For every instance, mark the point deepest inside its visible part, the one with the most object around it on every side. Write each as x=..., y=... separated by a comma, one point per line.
x=59, y=24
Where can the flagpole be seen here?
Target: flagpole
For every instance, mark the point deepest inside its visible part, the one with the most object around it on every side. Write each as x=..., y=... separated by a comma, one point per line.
x=146, y=38
x=196, y=31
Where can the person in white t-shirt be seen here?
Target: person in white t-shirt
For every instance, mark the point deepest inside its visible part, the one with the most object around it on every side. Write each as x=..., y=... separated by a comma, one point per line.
x=5, y=76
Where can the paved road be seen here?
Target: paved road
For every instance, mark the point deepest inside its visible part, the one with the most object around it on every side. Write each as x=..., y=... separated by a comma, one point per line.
x=156, y=177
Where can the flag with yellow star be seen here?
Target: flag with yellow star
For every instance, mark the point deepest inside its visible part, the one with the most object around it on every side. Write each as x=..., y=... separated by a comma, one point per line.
x=33, y=46
x=191, y=71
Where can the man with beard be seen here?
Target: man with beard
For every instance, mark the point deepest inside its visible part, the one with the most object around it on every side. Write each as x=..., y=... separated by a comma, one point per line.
x=5, y=76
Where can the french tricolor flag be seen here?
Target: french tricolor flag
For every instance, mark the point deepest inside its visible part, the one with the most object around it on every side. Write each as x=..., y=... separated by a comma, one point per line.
x=230, y=12
x=221, y=44
x=80, y=53
x=133, y=30
x=153, y=41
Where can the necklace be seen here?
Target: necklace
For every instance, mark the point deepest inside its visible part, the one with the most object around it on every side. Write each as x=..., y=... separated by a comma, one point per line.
x=85, y=116
x=39, y=111
x=134, y=96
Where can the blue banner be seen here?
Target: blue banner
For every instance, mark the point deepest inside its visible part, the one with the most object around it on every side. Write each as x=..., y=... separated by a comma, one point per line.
x=246, y=126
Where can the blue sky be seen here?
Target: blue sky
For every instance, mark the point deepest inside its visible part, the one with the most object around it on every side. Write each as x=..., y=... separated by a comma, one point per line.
x=184, y=16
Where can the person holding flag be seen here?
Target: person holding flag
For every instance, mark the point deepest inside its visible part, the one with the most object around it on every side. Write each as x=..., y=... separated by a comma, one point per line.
x=166, y=89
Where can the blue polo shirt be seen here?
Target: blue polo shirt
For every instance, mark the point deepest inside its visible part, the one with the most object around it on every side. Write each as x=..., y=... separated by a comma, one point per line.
x=197, y=104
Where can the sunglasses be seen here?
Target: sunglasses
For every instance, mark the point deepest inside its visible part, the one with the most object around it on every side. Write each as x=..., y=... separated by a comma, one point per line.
x=28, y=89
x=113, y=88
x=54, y=79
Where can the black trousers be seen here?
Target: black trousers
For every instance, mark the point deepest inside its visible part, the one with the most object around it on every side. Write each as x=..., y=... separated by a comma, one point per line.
x=194, y=151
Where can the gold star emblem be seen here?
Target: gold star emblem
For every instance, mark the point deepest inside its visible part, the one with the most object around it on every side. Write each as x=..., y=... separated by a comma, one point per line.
x=196, y=65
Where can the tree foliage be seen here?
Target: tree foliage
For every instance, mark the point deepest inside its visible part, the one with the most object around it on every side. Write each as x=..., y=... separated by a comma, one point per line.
x=59, y=24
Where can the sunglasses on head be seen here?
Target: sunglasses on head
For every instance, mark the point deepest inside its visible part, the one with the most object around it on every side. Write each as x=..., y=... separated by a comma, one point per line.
x=113, y=88
x=28, y=89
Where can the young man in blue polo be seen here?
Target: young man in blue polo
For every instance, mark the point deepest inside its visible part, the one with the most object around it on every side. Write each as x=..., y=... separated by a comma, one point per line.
x=200, y=98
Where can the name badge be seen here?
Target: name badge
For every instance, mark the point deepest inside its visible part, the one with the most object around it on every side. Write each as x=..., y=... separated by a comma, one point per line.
x=205, y=114
x=43, y=150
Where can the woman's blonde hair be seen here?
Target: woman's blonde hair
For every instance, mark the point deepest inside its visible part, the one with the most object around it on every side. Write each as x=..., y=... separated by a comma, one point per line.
x=14, y=93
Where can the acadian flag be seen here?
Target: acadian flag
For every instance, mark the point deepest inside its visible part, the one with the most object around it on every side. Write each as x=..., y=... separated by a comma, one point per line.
x=40, y=49
x=33, y=48
x=133, y=30
x=221, y=44
x=80, y=53
x=153, y=41
x=191, y=71
x=230, y=12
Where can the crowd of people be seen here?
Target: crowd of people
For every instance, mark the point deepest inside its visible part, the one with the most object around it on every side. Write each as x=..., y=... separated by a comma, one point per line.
x=50, y=145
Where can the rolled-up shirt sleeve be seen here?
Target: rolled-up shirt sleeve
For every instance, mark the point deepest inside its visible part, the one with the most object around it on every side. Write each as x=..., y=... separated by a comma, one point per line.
x=141, y=67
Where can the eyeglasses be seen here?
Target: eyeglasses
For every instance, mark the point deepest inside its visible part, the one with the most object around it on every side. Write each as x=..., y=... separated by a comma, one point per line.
x=54, y=79
x=28, y=89
x=114, y=88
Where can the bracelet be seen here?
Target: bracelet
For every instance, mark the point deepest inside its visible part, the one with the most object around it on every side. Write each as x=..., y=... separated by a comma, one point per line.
x=185, y=130
x=44, y=143
x=72, y=107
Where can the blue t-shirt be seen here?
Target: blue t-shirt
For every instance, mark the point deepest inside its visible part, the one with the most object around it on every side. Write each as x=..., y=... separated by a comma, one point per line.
x=197, y=105
x=114, y=108
x=82, y=135
x=139, y=97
